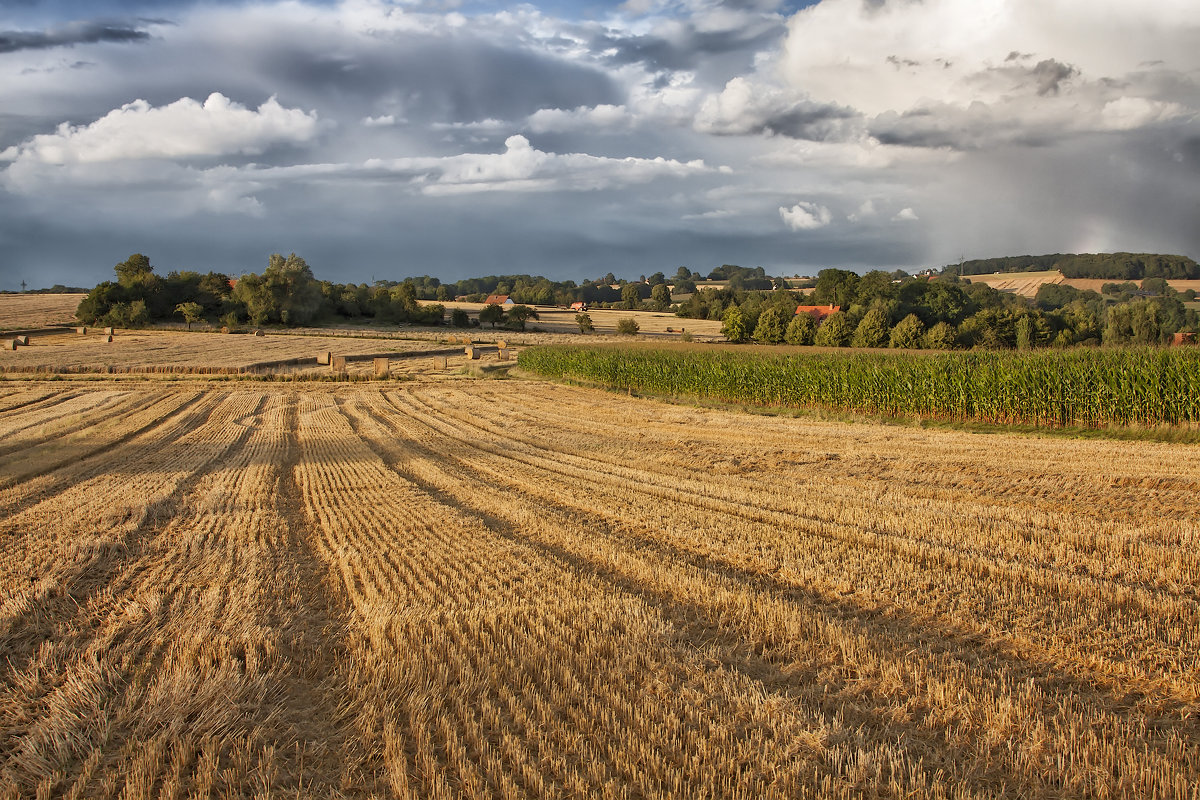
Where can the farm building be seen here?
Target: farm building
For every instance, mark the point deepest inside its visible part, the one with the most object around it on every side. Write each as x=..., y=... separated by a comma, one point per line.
x=498, y=299
x=818, y=313
x=579, y=306
x=1183, y=338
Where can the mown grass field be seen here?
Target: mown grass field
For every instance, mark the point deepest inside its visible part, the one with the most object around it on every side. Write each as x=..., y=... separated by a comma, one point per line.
x=518, y=589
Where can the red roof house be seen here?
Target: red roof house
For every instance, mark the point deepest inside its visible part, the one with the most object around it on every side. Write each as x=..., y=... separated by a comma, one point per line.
x=579, y=305
x=818, y=313
x=498, y=299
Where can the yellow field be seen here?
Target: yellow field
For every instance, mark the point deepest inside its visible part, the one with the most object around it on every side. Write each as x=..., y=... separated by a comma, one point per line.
x=517, y=589
x=1026, y=284
x=24, y=311
x=178, y=351
x=650, y=323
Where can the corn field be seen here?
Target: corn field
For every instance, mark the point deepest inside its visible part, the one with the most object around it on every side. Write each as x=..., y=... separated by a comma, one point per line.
x=471, y=589
x=1086, y=388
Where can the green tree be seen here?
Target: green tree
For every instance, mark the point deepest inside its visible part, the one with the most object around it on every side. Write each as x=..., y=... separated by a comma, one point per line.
x=491, y=313
x=134, y=271
x=770, y=328
x=584, y=321
x=627, y=326
x=192, y=312
x=460, y=318
x=836, y=287
x=1026, y=333
x=518, y=314
x=907, y=333
x=660, y=296
x=801, y=330
x=631, y=298
x=941, y=336
x=835, y=331
x=733, y=325
x=872, y=330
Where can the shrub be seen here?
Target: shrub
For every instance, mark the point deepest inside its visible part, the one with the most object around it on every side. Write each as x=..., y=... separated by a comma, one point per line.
x=627, y=326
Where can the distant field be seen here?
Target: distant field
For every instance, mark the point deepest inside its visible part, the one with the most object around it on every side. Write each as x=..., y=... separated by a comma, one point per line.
x=487, y=589
x=1026, y=283
x=25, y=311
x=654, y=323
x=179, y=351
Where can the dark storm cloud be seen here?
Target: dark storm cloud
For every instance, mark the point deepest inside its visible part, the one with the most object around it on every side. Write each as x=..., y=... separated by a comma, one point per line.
x=973, y=128
x=1050, y=75
x=807, y=120
x=449, y=79
x=813, y=121
x=90, y=32
x=687, y=51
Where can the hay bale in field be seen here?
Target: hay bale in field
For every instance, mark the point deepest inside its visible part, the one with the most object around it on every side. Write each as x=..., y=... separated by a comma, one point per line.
x=324, y=359
x=10, y=344
x=22, y=340
x=445, y=363
x=383, y=367
x=501, y=354
x=258, y=333
x=81, y=330
x=338, y=364
x=109, y=331
x=501, y=344
x=472, y=353
x=224, y=329
x=108, y=337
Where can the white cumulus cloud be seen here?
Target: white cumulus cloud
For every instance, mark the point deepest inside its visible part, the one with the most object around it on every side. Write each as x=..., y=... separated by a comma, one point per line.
x=805, y=216
x=905, y=215
x=524, y=168
x=185, y=128
x=597, y=118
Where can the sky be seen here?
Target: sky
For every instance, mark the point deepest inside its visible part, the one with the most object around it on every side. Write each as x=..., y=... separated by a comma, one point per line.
x=381, y=139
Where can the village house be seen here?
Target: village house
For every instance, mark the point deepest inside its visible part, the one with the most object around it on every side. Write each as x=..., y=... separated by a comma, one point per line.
x=818, y=313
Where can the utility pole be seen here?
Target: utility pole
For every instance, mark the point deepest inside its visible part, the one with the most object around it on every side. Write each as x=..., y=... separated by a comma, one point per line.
x=22, y=287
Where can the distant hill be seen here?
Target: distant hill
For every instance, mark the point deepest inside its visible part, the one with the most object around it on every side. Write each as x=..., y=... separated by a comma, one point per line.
x=1107, y=266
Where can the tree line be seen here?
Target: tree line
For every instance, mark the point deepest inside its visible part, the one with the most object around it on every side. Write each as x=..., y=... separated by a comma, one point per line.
x=1106, y=266
x=884, y=309
x=285, y=293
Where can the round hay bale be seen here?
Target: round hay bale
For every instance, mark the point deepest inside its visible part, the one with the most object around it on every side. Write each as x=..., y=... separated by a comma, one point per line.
x=258, y=333
x=81, y=330
x=109, y=331
x=10, y=344
x=22, y=340
x=108, y=337
x=224, y=329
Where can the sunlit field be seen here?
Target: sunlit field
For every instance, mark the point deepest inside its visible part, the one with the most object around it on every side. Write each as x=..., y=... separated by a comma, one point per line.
x=19, y=311
x=479, y=588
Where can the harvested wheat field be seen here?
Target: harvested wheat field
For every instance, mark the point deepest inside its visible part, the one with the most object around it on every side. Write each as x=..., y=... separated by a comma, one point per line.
x=180, y=352
x=23, y=311
x=518, y=589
